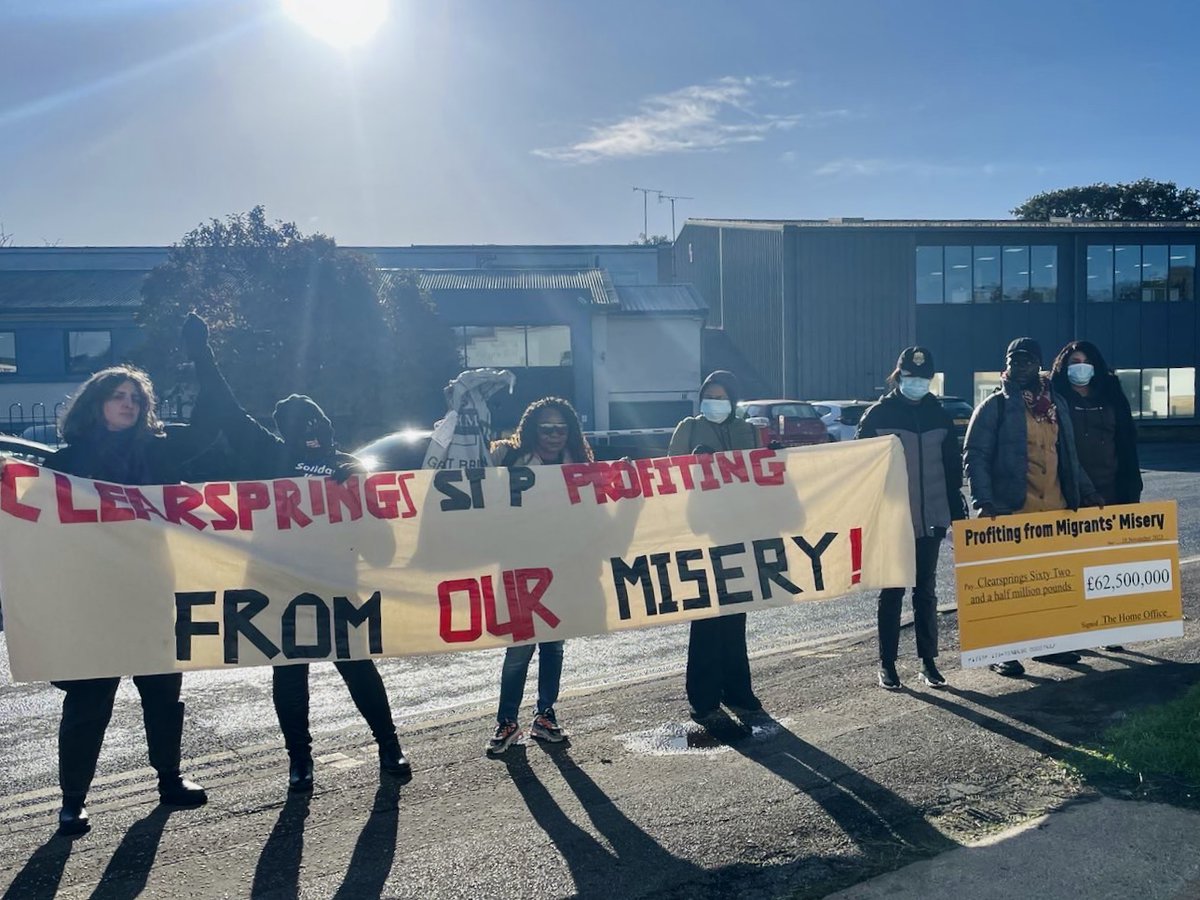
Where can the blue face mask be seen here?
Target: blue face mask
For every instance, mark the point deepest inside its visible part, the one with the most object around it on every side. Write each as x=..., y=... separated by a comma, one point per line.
x=716, y=411
x=913, y=387
x=1080, y=373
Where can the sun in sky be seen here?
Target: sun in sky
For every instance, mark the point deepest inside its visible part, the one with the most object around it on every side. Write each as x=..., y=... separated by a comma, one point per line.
x=342, y=23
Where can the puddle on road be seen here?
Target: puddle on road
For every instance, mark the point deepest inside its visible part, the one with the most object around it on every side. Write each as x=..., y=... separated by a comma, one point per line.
x=675, y=738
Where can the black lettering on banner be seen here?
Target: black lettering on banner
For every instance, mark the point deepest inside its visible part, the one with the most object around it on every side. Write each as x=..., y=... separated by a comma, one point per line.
x=455, y=498
x=622, y=574
x=703, y=599
x=347, y=616
x=772, y=572
x=520, y=479
x=666, y=603
x=237, y=621
x=476, y=475
x=185, y=627
x=814, y=554
x=319, y=650
x=725, y=575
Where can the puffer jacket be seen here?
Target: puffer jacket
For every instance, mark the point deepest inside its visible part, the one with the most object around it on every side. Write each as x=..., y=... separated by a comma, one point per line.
x=996, y=453
x=930, y=452
x=697, y=431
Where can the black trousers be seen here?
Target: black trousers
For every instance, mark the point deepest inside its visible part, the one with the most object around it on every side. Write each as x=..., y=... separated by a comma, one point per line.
x=718, y=667
x=290, y=692
x=924, y=602
x=87, y=709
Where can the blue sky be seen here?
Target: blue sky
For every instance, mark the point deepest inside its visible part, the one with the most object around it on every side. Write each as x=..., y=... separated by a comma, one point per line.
x=130, y=121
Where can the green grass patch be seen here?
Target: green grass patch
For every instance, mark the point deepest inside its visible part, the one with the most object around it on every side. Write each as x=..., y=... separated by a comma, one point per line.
x=1157, y=742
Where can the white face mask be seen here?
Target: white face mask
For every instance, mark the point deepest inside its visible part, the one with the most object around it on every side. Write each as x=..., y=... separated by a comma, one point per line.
x=914, y=387
x=1080, y=373
x=715, y=411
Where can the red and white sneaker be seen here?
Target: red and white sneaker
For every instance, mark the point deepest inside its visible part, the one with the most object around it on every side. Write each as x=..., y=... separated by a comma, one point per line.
x=545, y=727
x=506, y=734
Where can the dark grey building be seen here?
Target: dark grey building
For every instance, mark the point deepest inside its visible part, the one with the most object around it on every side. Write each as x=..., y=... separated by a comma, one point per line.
x=821, y=309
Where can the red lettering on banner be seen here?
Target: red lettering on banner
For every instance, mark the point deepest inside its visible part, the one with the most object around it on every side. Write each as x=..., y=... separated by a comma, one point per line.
x=383, y=502
x=576, y=476
x=645, y=476
x=110, y=496
x=623, y=480
x=684, y=465
x=67, y=513
x=142, y=507
x=178, y=501
x=663, y=467
x=251, y=496
x=731, y=465
x=709, y=481
x=8, y=490
x=446, y=592
x=287, y=505
x=316, y=490
x=346, y=495
x=212, y=496
x=769, y=475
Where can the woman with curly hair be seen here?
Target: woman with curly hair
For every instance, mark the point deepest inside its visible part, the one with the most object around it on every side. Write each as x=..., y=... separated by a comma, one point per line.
x=112, y=434
x=549, y=434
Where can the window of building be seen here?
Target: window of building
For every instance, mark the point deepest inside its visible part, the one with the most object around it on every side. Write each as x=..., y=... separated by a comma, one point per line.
x=514, y=346
x=958, y=274
x=987, y=275
x=8, y=353
x=1181, y=272
x=1100, y=273
x=1043, y=274
x=1155, y=397
x=930, y=275
x=1131, y=387
x=985, y=385
x=1015, y=262
x=1154, y=274
x=1181, y=385
x=1127, y=272
x=548, y=345
x=1159, y=393
x=937, y=384
x=88, y=351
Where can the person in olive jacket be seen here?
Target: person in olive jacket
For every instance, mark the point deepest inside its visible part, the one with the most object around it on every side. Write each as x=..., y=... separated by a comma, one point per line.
x=718, y=666
x=926, y=430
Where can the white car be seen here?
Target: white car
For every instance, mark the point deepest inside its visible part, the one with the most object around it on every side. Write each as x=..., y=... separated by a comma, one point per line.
x=840, y=417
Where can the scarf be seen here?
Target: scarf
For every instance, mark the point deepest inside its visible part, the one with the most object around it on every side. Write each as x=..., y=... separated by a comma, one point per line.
x=1041, y=404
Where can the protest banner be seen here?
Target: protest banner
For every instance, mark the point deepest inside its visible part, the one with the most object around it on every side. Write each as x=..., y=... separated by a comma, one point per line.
x=99, y=579
x=1030, y=585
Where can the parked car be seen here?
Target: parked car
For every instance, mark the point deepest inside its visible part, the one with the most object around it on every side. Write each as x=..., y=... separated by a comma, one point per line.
x=841, y=416
x=400, y=451
x=27, y=451
x=960, y=411
x=784, y=423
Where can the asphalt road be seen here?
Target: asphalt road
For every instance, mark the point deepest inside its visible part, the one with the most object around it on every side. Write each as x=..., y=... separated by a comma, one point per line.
x=230, y=712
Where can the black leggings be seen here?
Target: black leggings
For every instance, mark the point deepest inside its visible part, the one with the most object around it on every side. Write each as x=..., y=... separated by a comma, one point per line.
x=718, y=668
x=290, y=692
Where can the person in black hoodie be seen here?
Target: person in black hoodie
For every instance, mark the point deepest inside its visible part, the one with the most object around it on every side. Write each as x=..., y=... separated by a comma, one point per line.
x=718, y=664
x=306, y=448
x=926, y=430
x=113, y=434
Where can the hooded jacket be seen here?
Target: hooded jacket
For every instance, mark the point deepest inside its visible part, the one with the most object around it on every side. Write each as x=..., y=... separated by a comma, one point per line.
x=931, y=454
x=731, y=434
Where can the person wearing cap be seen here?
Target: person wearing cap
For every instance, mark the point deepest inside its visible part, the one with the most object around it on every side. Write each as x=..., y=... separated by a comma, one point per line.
x=305, y=448
x=1020, y=455
x=914, y=415
x=718, y=664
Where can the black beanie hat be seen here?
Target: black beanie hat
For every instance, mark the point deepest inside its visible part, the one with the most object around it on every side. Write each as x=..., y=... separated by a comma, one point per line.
x=726, y=380
x=1025, y=345
x=296, y=416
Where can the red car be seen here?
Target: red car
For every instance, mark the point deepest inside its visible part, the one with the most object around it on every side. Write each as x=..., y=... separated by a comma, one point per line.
x=784, y=423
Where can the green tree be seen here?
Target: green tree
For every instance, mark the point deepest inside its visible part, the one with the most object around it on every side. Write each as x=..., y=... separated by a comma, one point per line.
x=1137, y=201
x=289, y=312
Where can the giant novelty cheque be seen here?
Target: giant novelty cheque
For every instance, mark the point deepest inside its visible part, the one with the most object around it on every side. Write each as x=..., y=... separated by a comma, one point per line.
x=98, y=579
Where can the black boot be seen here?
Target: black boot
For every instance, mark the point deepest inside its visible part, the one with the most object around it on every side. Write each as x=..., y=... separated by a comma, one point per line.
x=175, y=790
x=73, y=817
x=300, y=775
x=393, y=762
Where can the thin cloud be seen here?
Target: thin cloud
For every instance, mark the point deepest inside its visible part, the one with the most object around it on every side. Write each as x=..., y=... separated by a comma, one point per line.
x=699, y=117
x=869, y=168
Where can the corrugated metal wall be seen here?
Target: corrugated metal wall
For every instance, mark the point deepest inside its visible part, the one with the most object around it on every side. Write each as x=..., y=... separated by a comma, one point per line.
x=698, y=263
x=752, y=286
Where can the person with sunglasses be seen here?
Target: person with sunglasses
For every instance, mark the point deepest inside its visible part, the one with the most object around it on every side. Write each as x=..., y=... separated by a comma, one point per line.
x=548, y=434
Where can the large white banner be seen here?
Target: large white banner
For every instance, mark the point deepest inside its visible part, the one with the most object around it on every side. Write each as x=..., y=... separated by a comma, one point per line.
x=99, y=579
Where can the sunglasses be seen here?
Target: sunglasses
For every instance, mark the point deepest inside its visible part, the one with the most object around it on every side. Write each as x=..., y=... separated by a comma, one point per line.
x=549, y=428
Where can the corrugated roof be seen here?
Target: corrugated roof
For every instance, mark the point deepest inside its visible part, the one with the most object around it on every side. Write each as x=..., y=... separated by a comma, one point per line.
x=661, y=298
x=77, y=289
x=594, y=282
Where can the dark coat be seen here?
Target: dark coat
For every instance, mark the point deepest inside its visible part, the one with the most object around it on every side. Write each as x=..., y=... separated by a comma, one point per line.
x=930, y=452
x=1129, y=472
x=996, y=453
x=697, y=431
x=166, y=458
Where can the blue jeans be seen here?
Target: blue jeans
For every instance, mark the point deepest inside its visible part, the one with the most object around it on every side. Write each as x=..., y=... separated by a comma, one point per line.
x=516, y=668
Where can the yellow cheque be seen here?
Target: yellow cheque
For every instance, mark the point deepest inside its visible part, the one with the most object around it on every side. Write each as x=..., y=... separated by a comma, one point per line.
x=1028, y=585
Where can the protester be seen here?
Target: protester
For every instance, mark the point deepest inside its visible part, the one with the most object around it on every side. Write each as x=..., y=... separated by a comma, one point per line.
x=926, y=430
x=113, y=434
x=718, y=667
x=548, y=434
x=1020, y=455
x=305, y=449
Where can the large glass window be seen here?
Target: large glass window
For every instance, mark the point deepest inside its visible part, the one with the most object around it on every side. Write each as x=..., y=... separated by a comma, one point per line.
x=1127, y=272
x=987, y=274
x=8, y=353
x=930, y=275
x=958, y=274
x=1131, y=387
x=88, y=351
x=1181, y=385
x=1155, y=398
x=514, y=346
x=1100, y=273
x=1181, y=273
x=1015, y=261
x=1043, y=274
x=548, y=345
x=1159, y=393
x=985, y=385
x=1154, y=273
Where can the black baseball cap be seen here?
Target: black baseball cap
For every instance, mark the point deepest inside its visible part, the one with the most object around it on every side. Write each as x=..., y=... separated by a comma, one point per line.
x=1024, y=345
x=916, y=361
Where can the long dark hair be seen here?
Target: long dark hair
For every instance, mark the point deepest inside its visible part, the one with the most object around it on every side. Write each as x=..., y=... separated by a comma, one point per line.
x=1104, y=380
x=85, y=411
x=525, y=439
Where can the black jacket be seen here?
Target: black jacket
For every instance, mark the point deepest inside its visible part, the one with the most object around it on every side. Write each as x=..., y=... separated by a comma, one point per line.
x=931, y=453
x=166, y=458
x=696, y=431
x=1129, y=472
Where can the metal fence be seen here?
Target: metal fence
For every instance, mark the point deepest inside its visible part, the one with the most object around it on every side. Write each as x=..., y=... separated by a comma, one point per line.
x=39, y=421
